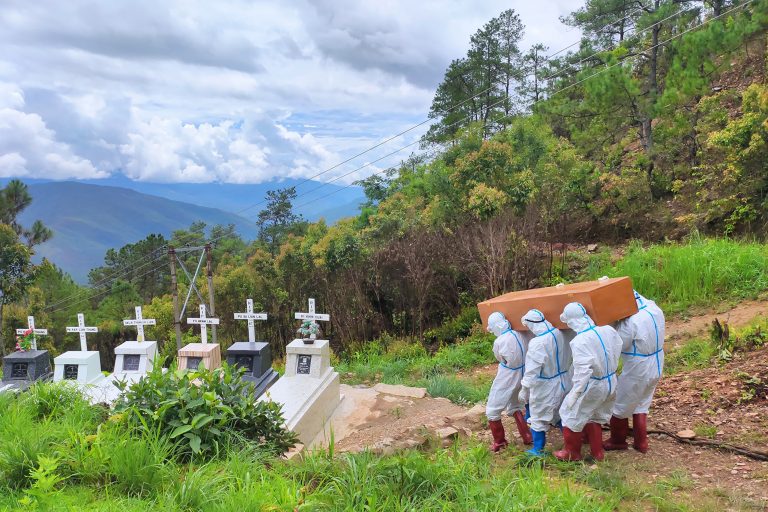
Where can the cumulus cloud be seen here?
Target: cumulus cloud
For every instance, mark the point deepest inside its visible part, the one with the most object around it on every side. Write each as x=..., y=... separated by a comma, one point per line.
x=237, y=91
x=29, y=148
x=163, y=150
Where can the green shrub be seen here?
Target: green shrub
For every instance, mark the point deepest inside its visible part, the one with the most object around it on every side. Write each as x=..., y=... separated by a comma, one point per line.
x=455, y=328
x=199, y=410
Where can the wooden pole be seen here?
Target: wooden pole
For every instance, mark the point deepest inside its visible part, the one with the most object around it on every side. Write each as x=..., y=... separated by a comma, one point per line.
x=209, y=269
x=175, y=293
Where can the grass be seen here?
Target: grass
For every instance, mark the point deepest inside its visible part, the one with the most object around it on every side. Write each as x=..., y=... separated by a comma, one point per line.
x=700, y=272
x=88, y=463
x=408, y=362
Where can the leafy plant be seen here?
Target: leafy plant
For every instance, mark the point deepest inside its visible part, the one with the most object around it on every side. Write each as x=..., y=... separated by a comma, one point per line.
x=199, y=410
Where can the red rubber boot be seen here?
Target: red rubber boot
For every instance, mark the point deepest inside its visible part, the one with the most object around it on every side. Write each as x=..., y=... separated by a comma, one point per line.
x=572, y=446
x=499, y=440
x=640, y=432
x=595, y=434
x=618, y=439
x=522, y=427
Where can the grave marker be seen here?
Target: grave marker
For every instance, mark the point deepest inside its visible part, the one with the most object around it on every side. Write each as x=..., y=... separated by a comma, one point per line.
x=133, y=360
x=82, y=366
x=254, y=356
x=190, y=356
x=139, y=322
x=250, y=316
x=35, y=332
x=22, y=368
x=309, y=391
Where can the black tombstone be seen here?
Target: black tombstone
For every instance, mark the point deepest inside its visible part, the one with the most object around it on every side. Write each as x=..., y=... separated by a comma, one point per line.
x=256, y=358
x=21, y=369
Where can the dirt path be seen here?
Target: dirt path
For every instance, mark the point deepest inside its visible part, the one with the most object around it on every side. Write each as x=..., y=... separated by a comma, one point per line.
x=718, y=402
x=679, y=330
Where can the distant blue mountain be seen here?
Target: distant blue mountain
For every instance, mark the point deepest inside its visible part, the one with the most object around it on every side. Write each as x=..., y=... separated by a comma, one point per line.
x=87, y=220
x=91, y=216
x=247, y=200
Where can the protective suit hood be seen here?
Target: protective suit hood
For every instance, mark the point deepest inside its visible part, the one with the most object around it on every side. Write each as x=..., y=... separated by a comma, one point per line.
x=641, y=301
x=535, y=322
x=576, y=317
x=498, y=324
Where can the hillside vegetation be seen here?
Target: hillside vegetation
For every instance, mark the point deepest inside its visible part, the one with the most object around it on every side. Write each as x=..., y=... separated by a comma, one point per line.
x=648, y=133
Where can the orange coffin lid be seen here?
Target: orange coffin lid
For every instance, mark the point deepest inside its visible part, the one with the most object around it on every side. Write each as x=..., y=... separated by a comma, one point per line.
x=606, y=301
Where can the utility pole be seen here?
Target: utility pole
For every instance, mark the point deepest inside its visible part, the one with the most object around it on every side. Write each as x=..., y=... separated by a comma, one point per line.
x=209, y=268
x=175, y=293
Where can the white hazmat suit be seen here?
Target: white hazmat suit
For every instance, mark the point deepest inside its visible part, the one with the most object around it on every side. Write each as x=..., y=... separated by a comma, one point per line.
x=642, y=335
x=509, y=350
x=548, y=371
x=596, y=351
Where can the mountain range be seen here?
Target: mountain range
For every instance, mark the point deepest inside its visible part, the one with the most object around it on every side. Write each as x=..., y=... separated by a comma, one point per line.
x=90, y=217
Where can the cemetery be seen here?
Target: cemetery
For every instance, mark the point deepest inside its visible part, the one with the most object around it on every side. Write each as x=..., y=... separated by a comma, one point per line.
x=384, y=256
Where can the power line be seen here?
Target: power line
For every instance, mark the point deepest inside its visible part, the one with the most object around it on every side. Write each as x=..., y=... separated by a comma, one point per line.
x=586, y=78
x=89, y=297
x=403, y=132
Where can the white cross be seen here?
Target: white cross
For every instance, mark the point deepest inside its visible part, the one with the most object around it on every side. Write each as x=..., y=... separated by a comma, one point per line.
x=311, y=315
x=82, y=329
x=36, y=332
x=203, y=322
x=250, y=316
x=140, y=322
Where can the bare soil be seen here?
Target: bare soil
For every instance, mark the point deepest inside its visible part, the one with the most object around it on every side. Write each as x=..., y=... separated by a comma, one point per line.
x=715, y=402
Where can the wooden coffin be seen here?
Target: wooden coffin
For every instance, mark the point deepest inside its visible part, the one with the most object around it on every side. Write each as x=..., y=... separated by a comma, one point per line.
x=606, y=301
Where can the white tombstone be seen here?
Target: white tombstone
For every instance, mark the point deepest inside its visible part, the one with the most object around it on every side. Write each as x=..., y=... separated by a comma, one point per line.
x=80, y=366
x=133, y=360
x=309, y=392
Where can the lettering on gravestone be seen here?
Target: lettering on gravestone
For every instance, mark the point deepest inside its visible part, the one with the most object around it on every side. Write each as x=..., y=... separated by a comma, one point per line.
x=19, y=370
x=193, y=363
x=131, y=362
x=303, y=365
x=70, y=371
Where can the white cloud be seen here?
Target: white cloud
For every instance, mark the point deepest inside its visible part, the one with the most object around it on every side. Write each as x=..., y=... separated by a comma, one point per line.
x=234, y=90
x=29, y=148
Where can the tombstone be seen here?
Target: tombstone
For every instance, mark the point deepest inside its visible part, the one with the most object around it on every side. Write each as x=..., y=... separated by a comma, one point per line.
x=81, y=366
x=190, y=356
x=309, y=392
x=133, y=359
x=23, y=368
x=254, y=356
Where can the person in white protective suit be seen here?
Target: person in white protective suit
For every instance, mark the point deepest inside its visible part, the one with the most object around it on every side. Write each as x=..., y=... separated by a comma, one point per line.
x=642, y=335
x=509, y=349
x=547, y=377
x=596, y=351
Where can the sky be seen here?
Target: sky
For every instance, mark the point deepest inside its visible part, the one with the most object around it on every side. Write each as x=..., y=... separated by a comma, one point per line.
x=230, y=91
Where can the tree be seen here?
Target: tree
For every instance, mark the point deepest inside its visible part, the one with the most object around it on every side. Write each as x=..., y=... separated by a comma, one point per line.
x=482, y=86
x=16, y=269
x=277, y=219
x=136, y=263
x=14, y=198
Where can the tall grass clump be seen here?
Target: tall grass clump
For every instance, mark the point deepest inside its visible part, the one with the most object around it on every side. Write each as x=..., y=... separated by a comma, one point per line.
x=33, y=425
x=699, y=272
x=447, y=480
